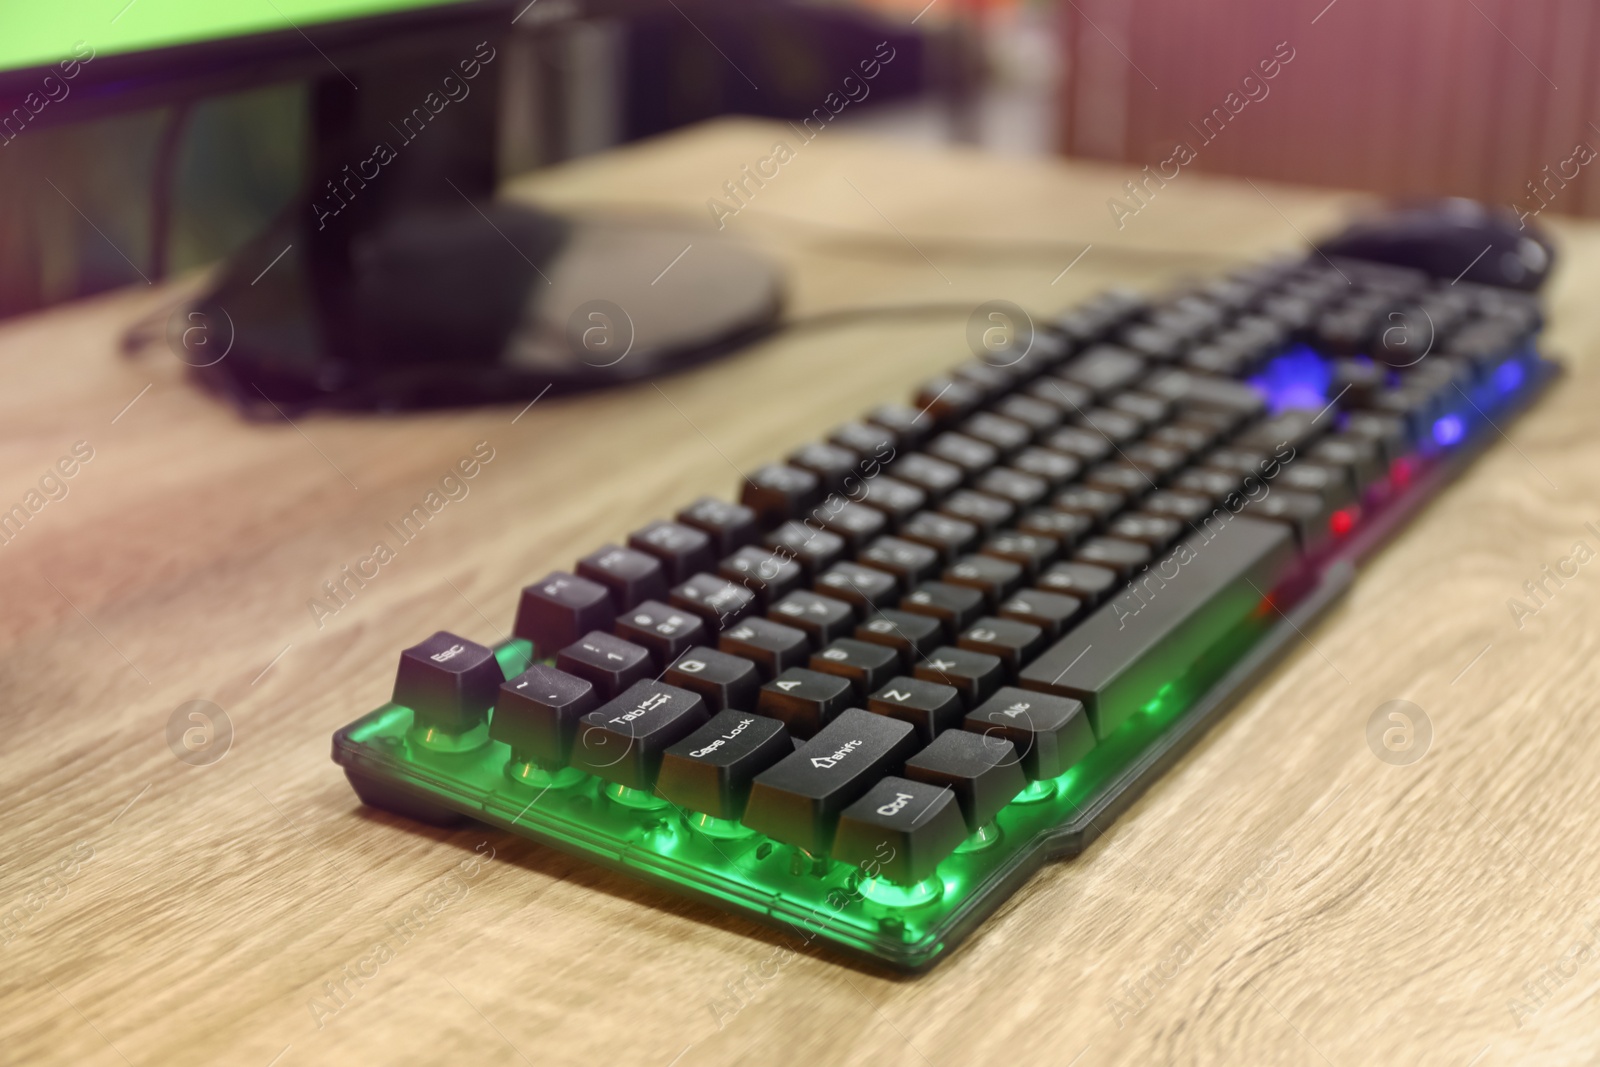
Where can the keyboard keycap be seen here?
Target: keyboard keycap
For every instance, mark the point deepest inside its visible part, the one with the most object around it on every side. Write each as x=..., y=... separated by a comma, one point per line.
x=711, y=770
x=1066, y=528
x=777, y=493
x=1056, y=468
x=955, y=606
x=863, y=587
x=1050, y=612
x=975, y=675
x=770, y=574
x=814, y=549
x=721, y=680
x=730, y=526
x=865, y=665
x=631, y=575
x=971, y=455
x=948, y=536
x=799, y=800
x=537, y=714
x=1015, y=643
x=560, y=608
x=682, y=550
x=911, y=636
x=901, y=830
x=1050, y=733
x=448, y=682
x=992, y=576
x=771, y=646
x=1085, y=581
x=866, y=440
x=823, y=618
x=930, y=707
x=897, y=500
x=1098, y=504
x=1113, y=553
x=719, y=602
x=830, y=463
x=623, y=740
x=1029, y=551
x=908, y=561
x=987, y=513
x=1117, y=659
x=804, y=700
x=856, y=523
x=1104, y=369
x=983, y=771
x=608, y=663
x=665, y=631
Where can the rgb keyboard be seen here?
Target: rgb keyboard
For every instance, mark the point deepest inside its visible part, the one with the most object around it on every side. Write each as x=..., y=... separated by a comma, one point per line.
x=953, y=639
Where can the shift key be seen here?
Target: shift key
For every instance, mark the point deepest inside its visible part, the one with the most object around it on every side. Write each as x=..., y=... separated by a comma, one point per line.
x=799, y=800
x=1117, y=660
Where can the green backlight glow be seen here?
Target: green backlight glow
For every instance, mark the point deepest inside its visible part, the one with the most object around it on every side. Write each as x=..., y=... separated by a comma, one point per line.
x=742, y=870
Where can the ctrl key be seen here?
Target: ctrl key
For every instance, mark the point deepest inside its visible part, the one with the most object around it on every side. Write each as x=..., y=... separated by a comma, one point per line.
x=710, y=771
x=799, y=800
x=623, y=740
x=901, y=830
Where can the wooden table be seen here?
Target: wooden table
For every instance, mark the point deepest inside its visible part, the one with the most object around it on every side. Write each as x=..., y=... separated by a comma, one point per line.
x=163, y=913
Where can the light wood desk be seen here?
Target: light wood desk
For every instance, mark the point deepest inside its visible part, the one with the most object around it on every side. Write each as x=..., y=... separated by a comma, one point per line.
x=197, y=912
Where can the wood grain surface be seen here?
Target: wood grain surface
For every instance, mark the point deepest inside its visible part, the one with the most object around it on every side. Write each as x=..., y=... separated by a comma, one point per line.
x=1282, y=896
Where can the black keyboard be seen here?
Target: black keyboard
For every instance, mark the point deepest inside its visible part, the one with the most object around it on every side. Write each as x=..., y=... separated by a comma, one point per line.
x=954, y=637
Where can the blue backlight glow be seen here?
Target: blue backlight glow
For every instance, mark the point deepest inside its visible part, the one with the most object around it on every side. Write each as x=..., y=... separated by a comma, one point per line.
x=1508, y=376
x=1449, y=430
x=1297, y=379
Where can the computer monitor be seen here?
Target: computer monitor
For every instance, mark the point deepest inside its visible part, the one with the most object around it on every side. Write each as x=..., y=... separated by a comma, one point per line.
x=394, y=279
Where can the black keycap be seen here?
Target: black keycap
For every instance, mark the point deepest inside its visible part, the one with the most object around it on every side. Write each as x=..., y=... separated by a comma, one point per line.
x=1086, y=581
x=721, y=680
x=911, y=636
x=1038, y=415
x=771, y=646
x=911, y=425
x=631, y=575
x=900, y=831
x=1157, y=531
x=1123, y=557
x=665, y=631
x=1388, y=432
x=768, y=573
x=1330, y=484
x=804, y=700
x=1003, y=434
x=950, y=537
x=537, y=714
x=983, y=771
x=1020, y=488
x=995, y=578
x=856, y=523
x=1066, y=528
x=987, y=513
x=1158, y=462
x=1056, y=468
x=1118, y=427
x=1130, y=648
x=607, y=662
x=1297, y=428
x=1030, y=551
x=1085, y=446
x=1120, y=476
x=682, y=550
x=908, y=561
x=955, y=606
x=1104, y=369
x=1360, y=457
x=1185, y=389
x=864, y=588
x=1098, y=504
x=814, y=549
x=777, y=493
x=560, y=608
x=799, y=800
x=448, y=682
x=947, y=399
x=623, y=740
x=971, y=455
x=731, y=526
x=1050, y=733
x=1068, y=398
x=1183, y=506
x=1188, y=438
x=1211, y=484
x=988, y=378
x=975, y=675
x=1146, y=407
x=830, y=463
x=719, y=602
x=866, y=440
x=897, y=500
x=930, y=707
x=863, y=664
x=1015, y=643
x=1051, y=612
x=823, y=618
x=710, y=771
x=1307, y=514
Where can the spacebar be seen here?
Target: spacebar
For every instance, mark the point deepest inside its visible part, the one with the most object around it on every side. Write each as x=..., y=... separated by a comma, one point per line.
x=1118, y=660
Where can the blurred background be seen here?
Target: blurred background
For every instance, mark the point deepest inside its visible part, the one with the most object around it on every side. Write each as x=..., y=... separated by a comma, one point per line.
x=1392, y=99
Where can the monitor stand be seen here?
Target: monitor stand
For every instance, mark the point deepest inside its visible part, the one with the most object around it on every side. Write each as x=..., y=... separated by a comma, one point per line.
x=397, y=281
